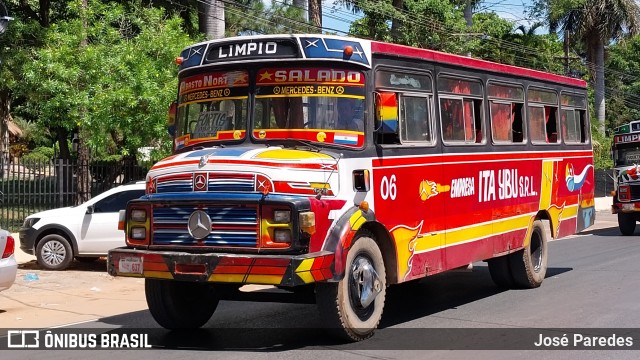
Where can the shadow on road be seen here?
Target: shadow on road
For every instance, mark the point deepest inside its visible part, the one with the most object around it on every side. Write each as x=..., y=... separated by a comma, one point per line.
x=609, y=231
x=99, y=265
x=247, y=326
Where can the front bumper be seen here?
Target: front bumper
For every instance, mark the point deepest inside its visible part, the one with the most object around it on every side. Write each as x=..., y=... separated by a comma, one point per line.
x=630, y=207
x=282, y=270
x=28, y=239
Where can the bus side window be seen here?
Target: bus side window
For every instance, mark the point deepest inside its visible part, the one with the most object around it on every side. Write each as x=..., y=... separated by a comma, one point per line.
x=550, y=114
x=415, y=119
x=517, y=128
x=477, y=112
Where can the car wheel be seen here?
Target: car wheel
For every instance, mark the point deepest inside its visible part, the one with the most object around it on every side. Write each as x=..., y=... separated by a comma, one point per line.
x=54, y=252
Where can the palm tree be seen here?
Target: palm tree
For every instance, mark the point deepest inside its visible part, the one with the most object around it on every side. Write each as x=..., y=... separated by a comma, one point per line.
x=595, y=24
x=315, y=12
x=211, y=18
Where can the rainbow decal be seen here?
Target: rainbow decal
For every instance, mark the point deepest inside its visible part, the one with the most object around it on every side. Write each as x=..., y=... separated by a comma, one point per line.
x=388, y=112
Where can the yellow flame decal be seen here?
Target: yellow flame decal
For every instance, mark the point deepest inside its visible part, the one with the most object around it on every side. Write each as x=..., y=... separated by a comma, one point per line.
x=406, y=239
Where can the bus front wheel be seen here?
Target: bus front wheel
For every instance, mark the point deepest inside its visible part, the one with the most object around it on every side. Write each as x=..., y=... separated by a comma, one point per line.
x=180, y=305
x=352, y=307
x=627, y=223
x=529, y=265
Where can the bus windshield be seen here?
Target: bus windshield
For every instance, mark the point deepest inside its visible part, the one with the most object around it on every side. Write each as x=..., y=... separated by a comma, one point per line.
x=212, y=106
x=627, y=154
x=315, y=104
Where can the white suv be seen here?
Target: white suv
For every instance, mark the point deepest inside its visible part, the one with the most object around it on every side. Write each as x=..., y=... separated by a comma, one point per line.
x=86, y=232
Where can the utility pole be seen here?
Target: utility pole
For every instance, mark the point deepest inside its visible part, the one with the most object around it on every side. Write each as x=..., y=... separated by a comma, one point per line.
x=566, y=58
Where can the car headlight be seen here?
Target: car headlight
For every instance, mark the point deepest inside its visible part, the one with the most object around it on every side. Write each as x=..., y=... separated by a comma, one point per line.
x=29, y=222
x=282, y=216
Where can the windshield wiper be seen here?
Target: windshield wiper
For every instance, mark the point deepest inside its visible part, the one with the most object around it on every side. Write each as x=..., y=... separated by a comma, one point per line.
x=307, y=143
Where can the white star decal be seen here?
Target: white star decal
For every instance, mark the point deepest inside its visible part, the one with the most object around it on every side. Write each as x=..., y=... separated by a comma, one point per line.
x=312, y=43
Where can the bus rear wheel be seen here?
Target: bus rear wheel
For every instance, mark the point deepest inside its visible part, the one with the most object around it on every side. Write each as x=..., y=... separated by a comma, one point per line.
x=352, y=307
x=529, y=265
x=180, y=305
x=627, y=223
x=500, y=271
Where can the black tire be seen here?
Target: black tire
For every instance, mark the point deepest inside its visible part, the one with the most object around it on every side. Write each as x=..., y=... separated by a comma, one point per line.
x=500, y=271
x=340, y=307
x=87, y=259
x=54, y=252
x=529, y=265
x=180, y=305
x=627, y=223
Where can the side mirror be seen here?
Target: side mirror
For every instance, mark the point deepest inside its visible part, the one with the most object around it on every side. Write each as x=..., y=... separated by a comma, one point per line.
x=387, y=113
x=90, y=209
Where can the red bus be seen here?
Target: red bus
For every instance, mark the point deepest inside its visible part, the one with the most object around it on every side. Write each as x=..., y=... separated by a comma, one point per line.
x=350, y=165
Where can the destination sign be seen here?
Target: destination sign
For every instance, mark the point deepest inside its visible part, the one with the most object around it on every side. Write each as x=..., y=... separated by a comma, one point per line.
x=310, y=75
x=252, y=49
x=227, y=79
x=621, y=139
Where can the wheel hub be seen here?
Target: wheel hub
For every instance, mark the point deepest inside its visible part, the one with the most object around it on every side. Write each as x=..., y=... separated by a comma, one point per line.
x=366, y=281
x=53, y=253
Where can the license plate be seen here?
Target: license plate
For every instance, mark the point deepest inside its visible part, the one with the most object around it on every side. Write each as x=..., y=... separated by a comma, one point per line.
x=130, y=265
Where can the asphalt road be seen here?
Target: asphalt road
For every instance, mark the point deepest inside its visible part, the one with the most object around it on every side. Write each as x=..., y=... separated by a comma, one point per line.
x=591, y=284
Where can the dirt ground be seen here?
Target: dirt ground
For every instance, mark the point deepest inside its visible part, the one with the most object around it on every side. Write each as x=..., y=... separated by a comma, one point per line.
x=84, y=292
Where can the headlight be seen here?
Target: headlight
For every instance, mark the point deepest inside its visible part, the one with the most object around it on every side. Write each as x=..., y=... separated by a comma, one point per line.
x=282, y=216
x=138, y=215
x=281, y=236
x=29, y=222
x=138, y=233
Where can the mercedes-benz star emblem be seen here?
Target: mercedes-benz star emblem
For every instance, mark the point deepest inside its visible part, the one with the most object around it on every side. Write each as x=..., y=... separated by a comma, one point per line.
x=199, y=224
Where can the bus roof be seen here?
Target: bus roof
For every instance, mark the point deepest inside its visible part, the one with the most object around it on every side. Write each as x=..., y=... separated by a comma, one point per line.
x=323, y=47
x=628, y=128
x=446, y=58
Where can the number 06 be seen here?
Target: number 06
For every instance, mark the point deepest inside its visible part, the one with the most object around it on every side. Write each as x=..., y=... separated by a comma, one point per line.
x=388, y=188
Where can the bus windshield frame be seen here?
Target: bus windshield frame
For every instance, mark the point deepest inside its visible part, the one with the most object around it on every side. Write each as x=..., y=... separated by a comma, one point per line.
x=313, y=104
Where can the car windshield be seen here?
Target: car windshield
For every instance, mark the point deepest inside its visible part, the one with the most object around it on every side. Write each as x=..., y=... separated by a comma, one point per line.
x=627, y=154
x=212, y=107
x=314, y=104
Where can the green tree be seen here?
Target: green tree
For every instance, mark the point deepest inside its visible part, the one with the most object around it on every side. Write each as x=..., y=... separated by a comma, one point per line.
x=117, y=88
x=623, y=82
x=595, y=23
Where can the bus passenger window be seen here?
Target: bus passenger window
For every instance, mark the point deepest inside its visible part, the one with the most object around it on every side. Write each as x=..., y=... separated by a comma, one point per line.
x=537, y=125
x=551, y=123
x=452, y=119
x=516, y=126
x=501, y=121
x=415, y=122
x=542, y=115
x=573, y=118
